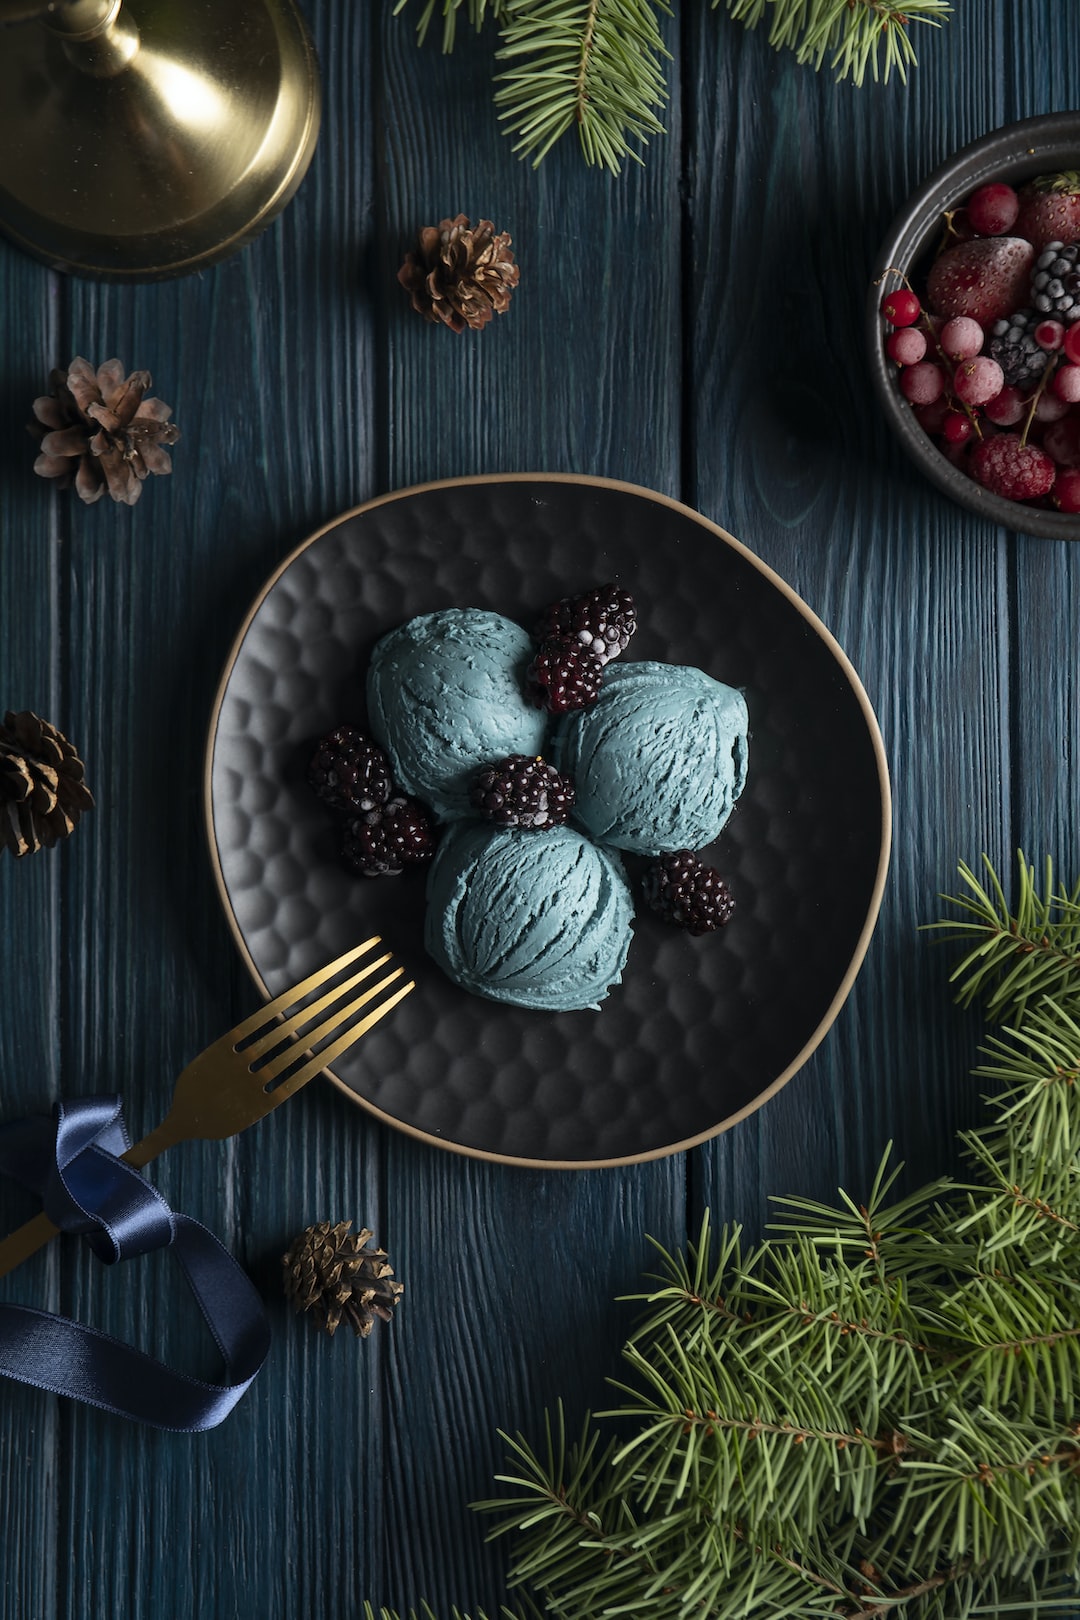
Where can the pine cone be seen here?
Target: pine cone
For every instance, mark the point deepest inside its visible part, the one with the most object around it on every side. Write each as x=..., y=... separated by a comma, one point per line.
x=99, y=431
x=330, y=1273
x=460, y=274
x=42, y=792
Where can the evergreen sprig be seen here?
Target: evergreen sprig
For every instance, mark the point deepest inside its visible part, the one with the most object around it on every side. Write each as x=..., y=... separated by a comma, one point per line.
x=597, y=66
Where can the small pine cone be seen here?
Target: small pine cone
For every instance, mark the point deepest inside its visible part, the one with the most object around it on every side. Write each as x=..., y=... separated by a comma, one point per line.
x=386, y=840
x=602, y=620
x=460, y=274
x=686, y=892
x=522, y=791
x=564, y=675
x=349, y=772
x=42, y=791
x=330, y=1273
x=98, y=431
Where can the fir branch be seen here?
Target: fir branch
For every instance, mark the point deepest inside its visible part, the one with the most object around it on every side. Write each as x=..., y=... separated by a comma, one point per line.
x=853, y=34
x=476, y=13
x=593, y=65
x=1014, y=958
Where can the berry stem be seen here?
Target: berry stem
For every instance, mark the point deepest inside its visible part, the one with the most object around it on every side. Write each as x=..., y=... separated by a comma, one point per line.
x=1048, y=372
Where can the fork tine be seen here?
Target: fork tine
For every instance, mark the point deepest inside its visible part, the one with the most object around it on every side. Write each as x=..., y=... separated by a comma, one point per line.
x=282, y=1030
x=290, y=997
x=322, y=1060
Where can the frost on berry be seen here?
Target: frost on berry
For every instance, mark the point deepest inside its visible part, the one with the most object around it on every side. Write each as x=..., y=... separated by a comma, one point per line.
x=907, y=346
x=1006, y=466
x=993, y=208
x=978, y=380
x=922, y=384
x=1066, y=383
x=961, y=338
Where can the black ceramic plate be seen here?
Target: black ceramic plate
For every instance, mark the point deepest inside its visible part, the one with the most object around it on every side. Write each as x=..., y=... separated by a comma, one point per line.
x=701, y=1031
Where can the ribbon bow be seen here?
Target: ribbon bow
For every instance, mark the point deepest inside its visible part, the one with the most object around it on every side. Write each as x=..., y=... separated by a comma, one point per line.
x=73, y=1162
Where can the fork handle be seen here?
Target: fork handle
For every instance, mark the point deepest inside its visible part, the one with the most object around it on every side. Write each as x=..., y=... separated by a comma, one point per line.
x=39, y=1230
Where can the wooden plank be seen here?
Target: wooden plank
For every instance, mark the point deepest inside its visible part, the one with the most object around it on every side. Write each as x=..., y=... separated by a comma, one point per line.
x=512, y=1274
x=31, y=677
x=798, y=464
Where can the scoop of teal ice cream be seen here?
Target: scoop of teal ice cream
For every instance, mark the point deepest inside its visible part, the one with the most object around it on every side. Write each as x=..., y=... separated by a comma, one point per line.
x=534, y=918
x=658, y=760
x=445, y=696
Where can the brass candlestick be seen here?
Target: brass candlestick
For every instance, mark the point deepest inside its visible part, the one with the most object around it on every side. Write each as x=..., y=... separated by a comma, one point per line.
x=150, y=138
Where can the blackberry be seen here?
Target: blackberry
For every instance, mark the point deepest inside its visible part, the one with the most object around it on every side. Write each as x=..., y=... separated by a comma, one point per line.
x=564, y=675
x=389, y=838
x=602, y=620
x=686, y=892
x=521, y=791
x=1013, y=346
x=1055, y=282
x=348, y=772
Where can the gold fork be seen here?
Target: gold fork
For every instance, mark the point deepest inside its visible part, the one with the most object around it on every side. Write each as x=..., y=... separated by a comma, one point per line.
x=251, y=1070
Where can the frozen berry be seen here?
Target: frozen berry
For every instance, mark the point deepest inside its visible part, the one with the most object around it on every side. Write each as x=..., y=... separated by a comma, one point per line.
x=1061, y=441
x=922, y=384
x=992, y=209
x=1072, y=343
x=901, y=307
x=602, y=620
x=1006, y=408
x=1066, y=383
x=1050, y=406
x=1007, y=467
x=957, y=428
x=975, y=381
x=349, y=772
x=930, y=417
x=385, y=841
x=687, y=892
x=564, y=675
x=961, y=338
x=906, y=345
x=1049, y=335
x=1055, y=284
x=523, y=791
x=985, y=278
x=1013, y=345
x=1066, y=490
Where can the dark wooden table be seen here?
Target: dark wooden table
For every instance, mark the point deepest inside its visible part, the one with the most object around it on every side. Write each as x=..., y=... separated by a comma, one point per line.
x=694, y=327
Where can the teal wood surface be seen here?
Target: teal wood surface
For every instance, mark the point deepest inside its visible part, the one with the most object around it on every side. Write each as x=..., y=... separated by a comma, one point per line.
x=696, y=327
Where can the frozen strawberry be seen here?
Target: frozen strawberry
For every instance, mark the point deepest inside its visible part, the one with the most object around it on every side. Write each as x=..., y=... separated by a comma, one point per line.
x=1050, y=210
x=986, y=278
x=1006, y=466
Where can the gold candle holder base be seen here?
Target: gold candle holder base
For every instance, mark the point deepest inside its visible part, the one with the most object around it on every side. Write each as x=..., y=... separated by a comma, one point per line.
x=151, y=139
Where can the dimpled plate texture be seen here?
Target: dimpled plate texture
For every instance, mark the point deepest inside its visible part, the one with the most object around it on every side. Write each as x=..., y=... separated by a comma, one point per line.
x=700, y=1031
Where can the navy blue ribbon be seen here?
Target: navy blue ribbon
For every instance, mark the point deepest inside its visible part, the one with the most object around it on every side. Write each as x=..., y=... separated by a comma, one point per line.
x=73, y=1162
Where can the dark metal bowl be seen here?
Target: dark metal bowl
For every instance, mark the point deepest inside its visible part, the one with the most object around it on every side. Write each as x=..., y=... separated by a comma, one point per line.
x=1015, y=153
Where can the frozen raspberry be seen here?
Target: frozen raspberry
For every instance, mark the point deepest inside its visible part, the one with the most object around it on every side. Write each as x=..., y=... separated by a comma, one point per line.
x=922, y=384
x=384, y=841
x=901, y=307
x=348, y=772
x=975, y=381
x=688, y=893
x=564, y=675
x=1066, y=490
x=1007, y=467
x=992, y=209
x=961, y=338
x=907, y=346
x=602, y=620
x=523, y=791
